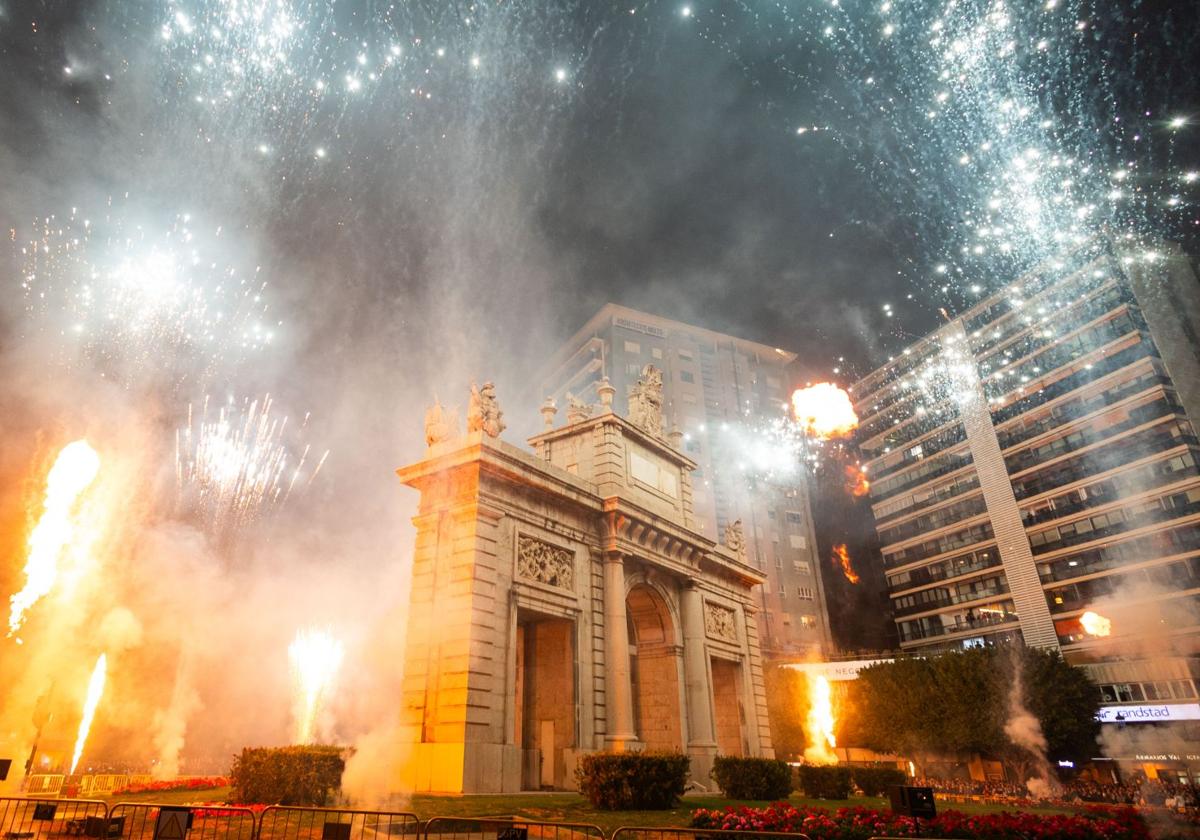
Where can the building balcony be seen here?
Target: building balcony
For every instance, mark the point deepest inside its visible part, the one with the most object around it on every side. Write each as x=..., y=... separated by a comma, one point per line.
x=942, y=545
x=1077, y=440
x=1129, y=523
x=927, y=448
x=963, y=484
x=922, y=473
x=950, y=600
x=1105, y=492
x=971, y=620
x=944, y=570
x=1102, y=367
x=1096, y=461
x=932, y=522
x=1153, y=546
x=1020, y=373
x=1078, y=408
x=1012, y=330
x=1066, y=319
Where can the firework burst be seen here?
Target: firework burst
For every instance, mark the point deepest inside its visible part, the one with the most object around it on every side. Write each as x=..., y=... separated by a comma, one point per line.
x=139, y=298
x=235, y=465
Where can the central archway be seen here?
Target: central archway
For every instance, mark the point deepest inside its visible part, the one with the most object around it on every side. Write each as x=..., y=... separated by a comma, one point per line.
x=654, y=670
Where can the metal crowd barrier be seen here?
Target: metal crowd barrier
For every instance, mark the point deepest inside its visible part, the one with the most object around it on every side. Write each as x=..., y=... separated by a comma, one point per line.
x=150, y=821
x=24, y=818
x=675, y=833
x=282, y=822
x=47, y=784
x=33, y=818
x=508, y=828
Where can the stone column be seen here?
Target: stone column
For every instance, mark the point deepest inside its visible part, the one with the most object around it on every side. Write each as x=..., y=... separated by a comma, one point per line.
x=618, y=689
x=702, y=742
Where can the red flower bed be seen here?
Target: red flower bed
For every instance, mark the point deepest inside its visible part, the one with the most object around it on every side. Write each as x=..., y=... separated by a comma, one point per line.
x=195, y=783
x=859, y=823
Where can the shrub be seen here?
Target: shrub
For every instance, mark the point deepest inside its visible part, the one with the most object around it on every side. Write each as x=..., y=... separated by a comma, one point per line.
x=287, y=775
x=752, y=778
x=824, y=782
x=632, y=781
x=874, y=781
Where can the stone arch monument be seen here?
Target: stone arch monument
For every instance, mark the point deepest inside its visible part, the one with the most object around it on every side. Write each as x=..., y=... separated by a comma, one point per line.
x=562, y=603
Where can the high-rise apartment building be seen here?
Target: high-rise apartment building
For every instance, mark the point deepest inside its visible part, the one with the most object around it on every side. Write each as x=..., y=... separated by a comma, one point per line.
x=1035, y=459
x=720, y=392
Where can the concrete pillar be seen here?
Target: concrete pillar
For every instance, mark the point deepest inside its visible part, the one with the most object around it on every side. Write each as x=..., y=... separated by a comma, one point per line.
x=619, y=690
x=702, y=741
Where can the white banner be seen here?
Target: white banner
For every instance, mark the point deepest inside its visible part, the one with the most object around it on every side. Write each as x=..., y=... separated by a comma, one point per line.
x=835, y=671
x=1149, y=713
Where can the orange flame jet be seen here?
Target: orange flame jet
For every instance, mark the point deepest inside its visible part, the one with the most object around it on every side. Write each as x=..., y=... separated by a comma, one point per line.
x=842, y=557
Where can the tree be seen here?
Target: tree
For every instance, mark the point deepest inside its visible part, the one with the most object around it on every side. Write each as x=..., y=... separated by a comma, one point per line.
x=959, y=702
x=1065, y=701
x=787, y=705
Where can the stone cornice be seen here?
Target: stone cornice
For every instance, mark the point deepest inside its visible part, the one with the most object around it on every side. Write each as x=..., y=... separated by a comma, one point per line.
x=633, y=530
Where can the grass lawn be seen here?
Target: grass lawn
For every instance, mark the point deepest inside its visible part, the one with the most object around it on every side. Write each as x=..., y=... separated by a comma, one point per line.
x=568, y=807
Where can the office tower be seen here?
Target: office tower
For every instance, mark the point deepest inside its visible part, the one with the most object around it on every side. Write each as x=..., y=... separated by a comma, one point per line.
x=722, y=393
x=1034, y=460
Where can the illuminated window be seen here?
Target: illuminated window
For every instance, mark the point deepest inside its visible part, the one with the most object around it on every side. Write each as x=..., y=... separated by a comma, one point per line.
x=633, y=347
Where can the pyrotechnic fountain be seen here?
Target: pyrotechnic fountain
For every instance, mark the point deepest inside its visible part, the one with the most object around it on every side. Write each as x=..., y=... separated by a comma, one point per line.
x=72, y=473
x=316, y=658
x=234, y=466
x=819, y=724
x=95, y=691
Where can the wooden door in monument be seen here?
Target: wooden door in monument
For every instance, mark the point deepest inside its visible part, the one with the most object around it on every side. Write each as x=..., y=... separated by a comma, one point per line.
x=655, y=663
x=545, y=723
x=728, y=712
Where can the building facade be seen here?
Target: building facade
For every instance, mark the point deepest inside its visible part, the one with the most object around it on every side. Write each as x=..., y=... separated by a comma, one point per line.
x=721, y=393
x=563, y=603
x=1035, y=459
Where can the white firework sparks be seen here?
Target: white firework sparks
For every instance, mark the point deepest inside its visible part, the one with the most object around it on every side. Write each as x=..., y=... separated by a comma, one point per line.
x=137, y=295
x=236, y=465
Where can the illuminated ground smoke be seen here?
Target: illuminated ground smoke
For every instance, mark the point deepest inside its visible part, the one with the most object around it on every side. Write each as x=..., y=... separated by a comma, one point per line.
x=316, y=658
x=74, y=470
x=95, y=691
x=233, y=463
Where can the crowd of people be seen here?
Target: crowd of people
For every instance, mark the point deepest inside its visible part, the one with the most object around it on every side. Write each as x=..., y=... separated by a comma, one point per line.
x=1134, y=791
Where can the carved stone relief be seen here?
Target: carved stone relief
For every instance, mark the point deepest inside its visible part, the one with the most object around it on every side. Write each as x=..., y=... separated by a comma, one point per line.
x=718, y=622
x=545, y=563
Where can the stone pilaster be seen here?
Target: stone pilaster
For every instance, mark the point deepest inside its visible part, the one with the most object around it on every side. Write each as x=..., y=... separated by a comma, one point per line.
x=702, y=742
x=759, y=727
x=619, y=698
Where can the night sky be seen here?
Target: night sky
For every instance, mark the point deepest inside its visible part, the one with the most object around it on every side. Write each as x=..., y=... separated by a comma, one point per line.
x=425, y=194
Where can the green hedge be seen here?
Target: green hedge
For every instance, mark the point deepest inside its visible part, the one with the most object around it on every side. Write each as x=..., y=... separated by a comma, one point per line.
x=752, y=778
x=308, y=775
x=824, y=782
x=874, y=781
x=632, y=781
